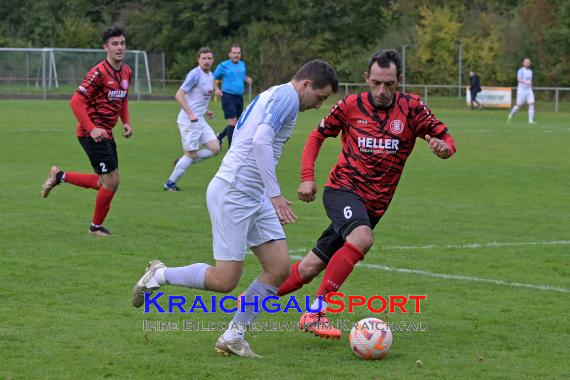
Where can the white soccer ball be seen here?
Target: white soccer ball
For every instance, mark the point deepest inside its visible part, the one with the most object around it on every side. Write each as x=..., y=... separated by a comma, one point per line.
x=370, y=339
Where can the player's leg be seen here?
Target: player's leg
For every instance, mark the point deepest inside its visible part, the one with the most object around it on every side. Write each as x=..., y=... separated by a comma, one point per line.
x=109, y=178
x=266, y=239
x=530, y=101
x=350, y=220
x=236, y=112
x=190, y=137
x=228, y=107
x=303, y=271
x=229, y=233
x=209, y=140
x=88, y=181
x=521, y=96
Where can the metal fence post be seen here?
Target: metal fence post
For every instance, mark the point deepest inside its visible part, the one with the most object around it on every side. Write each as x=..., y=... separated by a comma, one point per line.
x=556, y=93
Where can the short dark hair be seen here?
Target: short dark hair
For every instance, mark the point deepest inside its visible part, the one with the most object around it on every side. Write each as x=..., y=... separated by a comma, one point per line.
x=320, y=73
x=383, y=59
x=204, y=50
x=114, y=31
x=234, y=46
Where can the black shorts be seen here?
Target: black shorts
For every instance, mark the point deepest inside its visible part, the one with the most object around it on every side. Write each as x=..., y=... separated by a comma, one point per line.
x=232, y=105
x=103, y=155
x=346, y=211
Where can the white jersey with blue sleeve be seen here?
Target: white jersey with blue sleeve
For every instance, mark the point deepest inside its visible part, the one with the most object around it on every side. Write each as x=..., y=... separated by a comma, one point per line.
x=524, y=74
x=277, y=108
x=198, y=87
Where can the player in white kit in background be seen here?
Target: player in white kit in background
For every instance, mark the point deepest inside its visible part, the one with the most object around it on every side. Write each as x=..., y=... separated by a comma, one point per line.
x=524, y=91
x=246, y=205
x=194, y=96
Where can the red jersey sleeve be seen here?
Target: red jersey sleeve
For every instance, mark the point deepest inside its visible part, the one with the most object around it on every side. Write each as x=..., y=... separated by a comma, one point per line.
x=124, y=113
x=426, y=123
x=92, y=84
x=330, y=126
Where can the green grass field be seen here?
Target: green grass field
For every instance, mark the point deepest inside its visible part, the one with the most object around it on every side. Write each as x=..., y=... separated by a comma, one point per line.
x=484, y=235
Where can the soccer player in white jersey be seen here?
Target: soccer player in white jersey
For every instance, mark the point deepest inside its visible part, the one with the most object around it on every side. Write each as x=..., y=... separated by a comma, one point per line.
x=194, y=96
x=524, y=91
x=247, y=208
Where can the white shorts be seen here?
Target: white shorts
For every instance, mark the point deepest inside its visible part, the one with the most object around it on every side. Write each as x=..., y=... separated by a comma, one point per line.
x=525, y=96
x=195, y=134
x=238, y=221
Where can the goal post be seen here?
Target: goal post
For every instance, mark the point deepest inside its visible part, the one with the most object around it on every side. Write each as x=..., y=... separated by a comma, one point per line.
x=50, y=71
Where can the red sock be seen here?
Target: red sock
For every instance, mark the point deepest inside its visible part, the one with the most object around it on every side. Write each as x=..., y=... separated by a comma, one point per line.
x=88, y=181
x=293, y=282
x=102, y=205
x=339, y=268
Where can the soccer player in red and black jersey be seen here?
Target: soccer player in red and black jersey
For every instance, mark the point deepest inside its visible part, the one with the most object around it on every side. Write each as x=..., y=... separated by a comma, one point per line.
x=98, y=103
x=379, y=130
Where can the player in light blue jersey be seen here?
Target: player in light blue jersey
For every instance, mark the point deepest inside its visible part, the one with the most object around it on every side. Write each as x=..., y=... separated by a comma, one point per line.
x=194, y=96
x=524, y=91
x=247, y=208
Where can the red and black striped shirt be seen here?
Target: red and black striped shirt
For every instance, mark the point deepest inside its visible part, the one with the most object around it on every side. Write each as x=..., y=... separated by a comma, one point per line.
x=105, y=91
x=376, y=142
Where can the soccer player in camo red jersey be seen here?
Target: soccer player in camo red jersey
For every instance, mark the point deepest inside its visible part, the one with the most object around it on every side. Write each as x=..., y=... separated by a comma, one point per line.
x=379, y=130
x=98, y=103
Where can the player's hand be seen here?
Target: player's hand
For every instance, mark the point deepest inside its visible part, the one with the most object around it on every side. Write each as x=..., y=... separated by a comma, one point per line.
x=218, y=92
x=284, y=212
x=127, y=131
x=248, y=80
x=438, y=147
x=307, y=191
x=98, y=134
x=210, y=114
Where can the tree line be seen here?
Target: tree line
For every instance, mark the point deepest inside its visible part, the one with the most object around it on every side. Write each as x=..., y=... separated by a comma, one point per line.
x=278, y=35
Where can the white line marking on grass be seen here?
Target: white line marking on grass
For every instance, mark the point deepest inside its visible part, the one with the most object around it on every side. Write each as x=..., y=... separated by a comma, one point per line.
x=386, y=268
x=493, y=244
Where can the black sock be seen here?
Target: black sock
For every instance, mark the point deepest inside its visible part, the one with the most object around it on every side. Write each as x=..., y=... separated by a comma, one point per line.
x=59, y=176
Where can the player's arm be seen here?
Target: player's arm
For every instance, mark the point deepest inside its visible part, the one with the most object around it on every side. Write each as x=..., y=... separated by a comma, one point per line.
x=80, y=101
x=263, y=151
x=191, y=80
x=182, y=101
x=218, y=75
x=520, y=78
x=217, y=89
x=440, y=142
x=126, y=119
x=330, y=126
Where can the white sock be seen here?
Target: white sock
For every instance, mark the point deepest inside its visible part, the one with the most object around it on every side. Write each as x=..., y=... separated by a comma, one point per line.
x=531, y=113
x=158, y=279
x=202, y=154
x=235, y=331
x=180, y=168
x=63, y=178
x=514, y=110
x=315, y=304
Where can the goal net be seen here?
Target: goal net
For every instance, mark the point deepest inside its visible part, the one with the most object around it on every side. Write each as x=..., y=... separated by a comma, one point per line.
x=49, y=72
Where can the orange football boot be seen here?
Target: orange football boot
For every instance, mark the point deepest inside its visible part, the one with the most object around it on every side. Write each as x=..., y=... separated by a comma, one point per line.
x=318, y=324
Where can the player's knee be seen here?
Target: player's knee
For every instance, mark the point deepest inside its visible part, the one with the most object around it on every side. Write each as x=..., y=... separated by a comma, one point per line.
x=281, y=272
x=226, y=285
x=215, y=149
x=362, y=238
x=309, y=270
